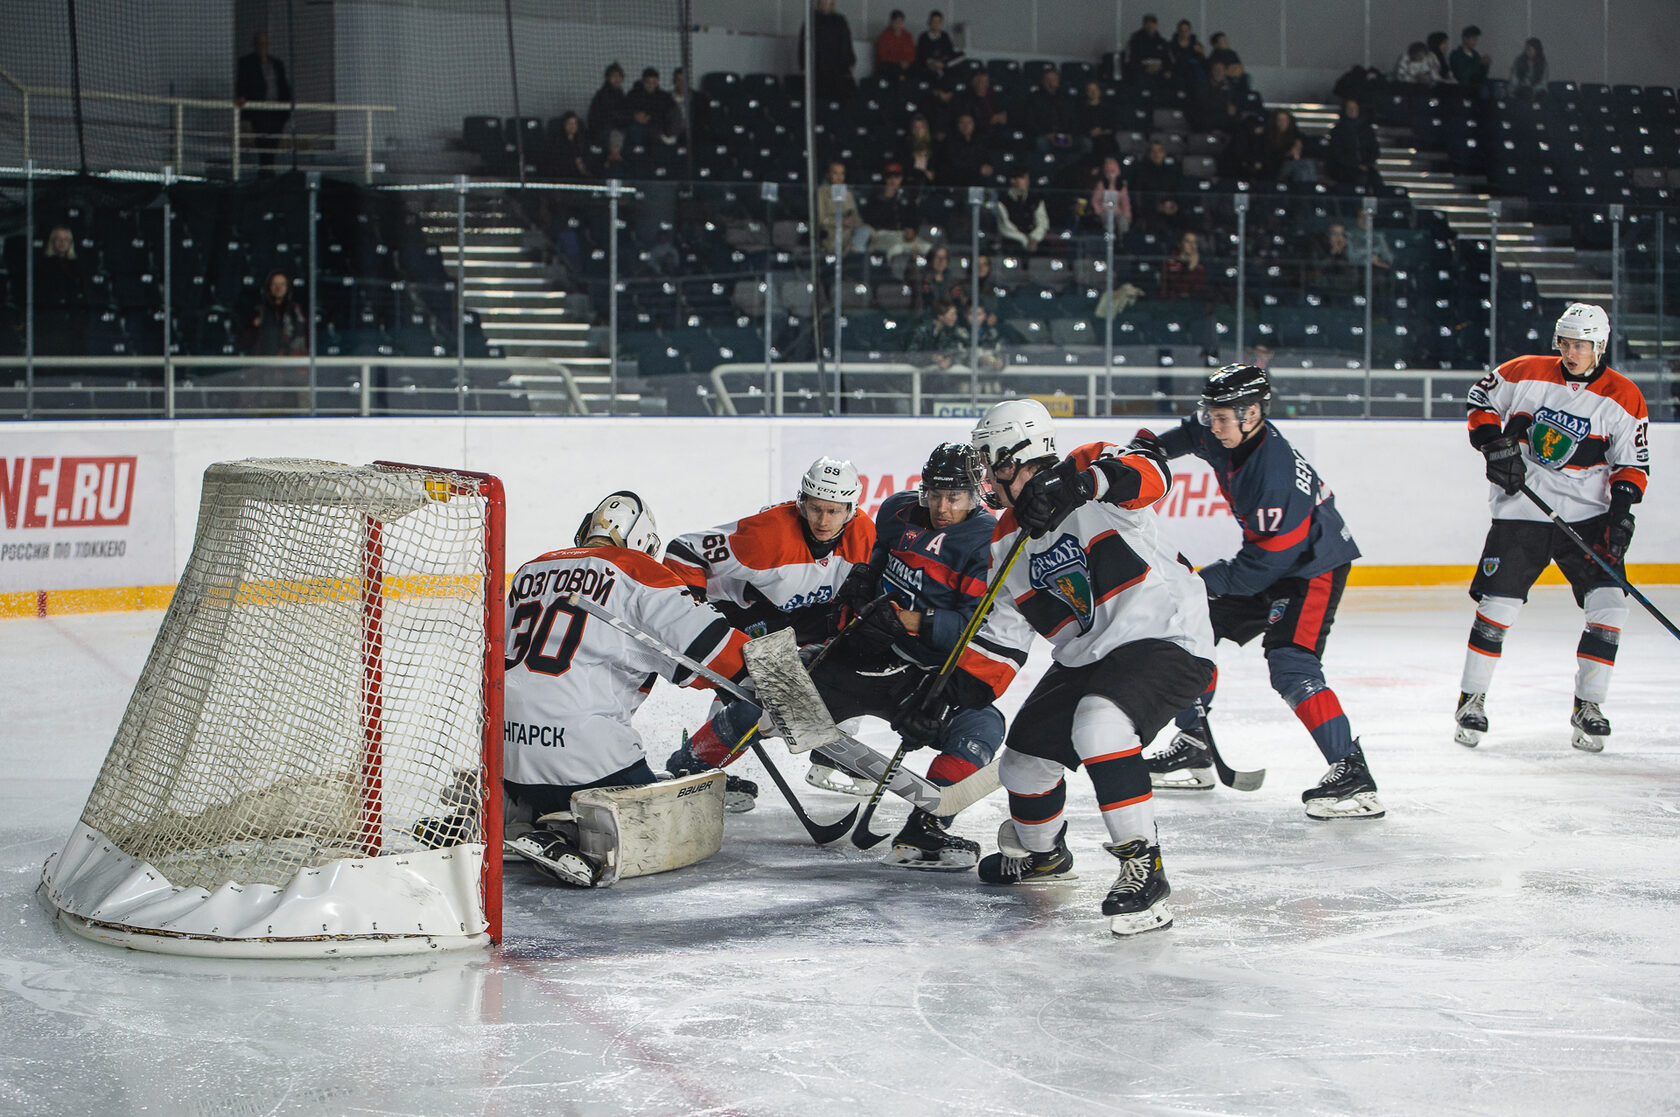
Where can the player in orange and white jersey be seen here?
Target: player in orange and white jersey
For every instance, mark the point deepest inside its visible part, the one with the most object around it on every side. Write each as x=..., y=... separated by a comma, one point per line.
x=573, y=682
x=1574, y=431
x=1131, y=640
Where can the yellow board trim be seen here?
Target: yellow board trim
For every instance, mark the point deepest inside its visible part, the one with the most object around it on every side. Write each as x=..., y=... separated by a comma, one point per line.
x=125, y=599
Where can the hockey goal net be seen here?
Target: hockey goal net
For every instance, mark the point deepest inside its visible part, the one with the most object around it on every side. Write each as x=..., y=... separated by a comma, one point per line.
x=310, y=762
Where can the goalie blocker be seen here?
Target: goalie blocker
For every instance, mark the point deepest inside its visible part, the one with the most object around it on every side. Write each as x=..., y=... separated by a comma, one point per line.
x=629, y=831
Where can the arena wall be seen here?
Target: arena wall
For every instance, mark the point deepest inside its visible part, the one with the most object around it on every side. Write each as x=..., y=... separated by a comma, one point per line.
x=100, y=516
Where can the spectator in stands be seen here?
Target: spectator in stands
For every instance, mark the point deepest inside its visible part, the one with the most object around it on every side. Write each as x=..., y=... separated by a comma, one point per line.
x=276, y=326
x=568, y=151
x=1157, y=180
x=939, y=340
x=1331, y=269
x=934, y=48
x=1244, y=157
x=1215, y=103
x=892, y=213
x=1110, y=177
x=832, y=48
x=1469, y=66
x=1296, y=169
x=691, y=111
x=1183, y=275
x=1352, y=155
x=1381, y=255
x=1415, y=66
x=1147, y=53
x=60, y=298
x=1049, y=116
x=609, y=108
x=1282, y=134
x=1528, y=72
x=963, y=160
x=895, y=49
x=916, y=154
x=1093, y=121
x=851, y=221
x=1189, y=63
x=1436, y=44
x=262, y=77
x=653, y=112
x=932, y=280
x=612, y=162
x=982, y=103
x=1219, y=50
x=1021, y=215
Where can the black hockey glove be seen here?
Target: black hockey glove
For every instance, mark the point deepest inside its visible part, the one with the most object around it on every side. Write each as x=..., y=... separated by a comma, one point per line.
x=1051, y=495
x=856, y=594
x=1618, y=523
x=881, y=625
x=918, y=722
x=1505, y=463
x=1145, y=442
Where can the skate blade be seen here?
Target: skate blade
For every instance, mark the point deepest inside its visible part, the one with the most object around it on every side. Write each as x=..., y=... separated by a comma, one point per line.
x=1183, y=779
x=906, y=861
x=841, y=786
x=735, y=802
x=570, y=869
x=1157, y=918
x=1058, y=878
x=1469, y=738
x=1586, y=742
x=1361, y=806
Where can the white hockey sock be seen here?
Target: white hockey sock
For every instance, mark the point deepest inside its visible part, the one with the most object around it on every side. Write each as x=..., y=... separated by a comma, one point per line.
x=1487, y=640
x=1107, y=742
x=1042, y=782
x=1595, y=656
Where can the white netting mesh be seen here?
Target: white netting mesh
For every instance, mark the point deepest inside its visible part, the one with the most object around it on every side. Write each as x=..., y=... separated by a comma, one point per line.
x=316, y=691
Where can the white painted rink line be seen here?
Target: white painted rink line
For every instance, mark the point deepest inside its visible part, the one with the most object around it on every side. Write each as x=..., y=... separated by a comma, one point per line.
x=1504, y=942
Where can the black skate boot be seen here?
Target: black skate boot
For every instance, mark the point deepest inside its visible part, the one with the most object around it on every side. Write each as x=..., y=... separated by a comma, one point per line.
x=1184, y=765
x=739, y=795
x=556, y=855
x=924, y=843
x=1472, y=719
x=1138, y=900
x=1014, y=864
x=447, y=830
x=1346, y=791
x=1591, y=726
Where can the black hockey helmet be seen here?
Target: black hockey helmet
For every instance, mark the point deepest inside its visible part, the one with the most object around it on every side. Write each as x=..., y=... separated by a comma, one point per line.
x=1236, y=386
x=952, y=465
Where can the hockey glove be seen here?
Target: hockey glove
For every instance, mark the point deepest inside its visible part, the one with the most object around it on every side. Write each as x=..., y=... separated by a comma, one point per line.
x=1051, y=495
x=881, y=625
x=919, y=723
x=1505, y=466
x=856, y=594
x=1145, y=442
x=1618, y=523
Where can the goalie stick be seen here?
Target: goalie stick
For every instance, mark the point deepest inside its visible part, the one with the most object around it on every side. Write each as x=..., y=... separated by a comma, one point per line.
x=820, y=834
x=1586, y=547
x=862, y=836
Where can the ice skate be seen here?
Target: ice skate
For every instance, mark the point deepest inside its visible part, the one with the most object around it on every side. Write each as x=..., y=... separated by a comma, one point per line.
x=446, y=830
x=1184, y=765
x=829, y=778
x=1472, y=719
x=1137, y=902
x=1346, y=791
x=555, y=855
x=739, y=795
x=1591, y=727
x=1015, y=864
x=924, y=843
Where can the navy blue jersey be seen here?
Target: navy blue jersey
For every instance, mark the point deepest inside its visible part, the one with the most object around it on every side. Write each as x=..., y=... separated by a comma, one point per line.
x=940, y=574
x=1290, y=525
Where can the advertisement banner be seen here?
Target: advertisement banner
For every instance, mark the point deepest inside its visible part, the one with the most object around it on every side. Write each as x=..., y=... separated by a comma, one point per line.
x=86, y=508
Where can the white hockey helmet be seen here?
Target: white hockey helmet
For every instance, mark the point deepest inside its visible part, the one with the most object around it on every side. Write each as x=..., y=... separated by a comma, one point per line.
x=832, y=479
x=1584, y=322
x=623, y=518
x=1015, y=431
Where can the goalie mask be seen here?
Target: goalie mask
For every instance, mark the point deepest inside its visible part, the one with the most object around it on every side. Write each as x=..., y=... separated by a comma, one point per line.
x=624, y=519
x=1584, y=322
x=1014, y=433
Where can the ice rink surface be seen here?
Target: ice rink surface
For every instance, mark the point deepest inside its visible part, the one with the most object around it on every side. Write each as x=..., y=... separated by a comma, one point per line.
x=1505, y=941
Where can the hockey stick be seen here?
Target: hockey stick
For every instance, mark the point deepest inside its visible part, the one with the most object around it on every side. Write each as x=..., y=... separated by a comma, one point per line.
x=820, y=834
x=863, y=837
x=1230, y=777
x=1596, y=557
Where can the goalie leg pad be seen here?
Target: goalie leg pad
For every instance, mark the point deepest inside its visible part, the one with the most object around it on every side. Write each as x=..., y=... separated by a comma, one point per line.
x=636, y=831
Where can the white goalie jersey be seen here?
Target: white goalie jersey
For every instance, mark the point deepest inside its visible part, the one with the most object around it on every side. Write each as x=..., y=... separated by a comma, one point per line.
x=574, y=682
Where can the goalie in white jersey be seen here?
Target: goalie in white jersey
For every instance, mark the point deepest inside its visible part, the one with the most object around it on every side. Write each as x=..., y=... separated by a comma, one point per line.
x=1574, y=431
x=573, y=682
x=1132, y=646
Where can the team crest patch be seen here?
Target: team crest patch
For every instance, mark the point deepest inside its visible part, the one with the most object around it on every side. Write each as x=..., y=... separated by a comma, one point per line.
x=1489, y=565
x=1554, y=436
x=1279, y=608
x=1064, y=573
